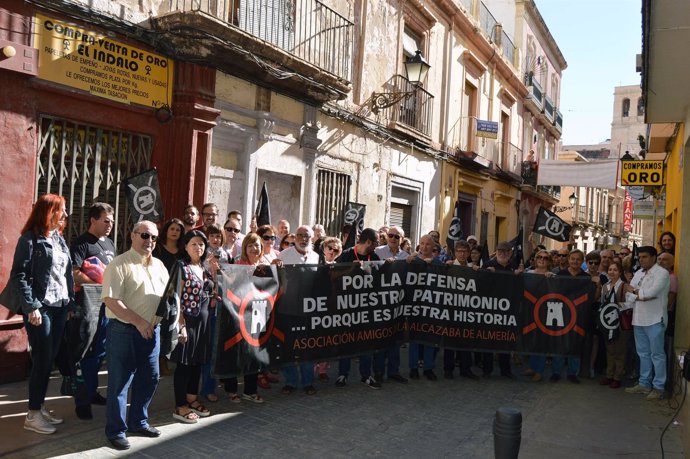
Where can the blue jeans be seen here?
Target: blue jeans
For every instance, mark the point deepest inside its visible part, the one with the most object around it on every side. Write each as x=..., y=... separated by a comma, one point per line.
x=45, y=341
x=306, y=370
x=429, y=353
x=649, y=341
x=393, y=355
x=364, y=366
x=91, y=362
x=558, y=362
x=537, y=363
x=131, y=360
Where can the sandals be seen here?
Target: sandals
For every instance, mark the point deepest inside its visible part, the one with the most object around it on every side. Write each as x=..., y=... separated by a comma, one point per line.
x=190, y=418
x=199, y=409
x=288, y=389
x=263, y=382
x=256, y=398
x=323, y=377
x=234, y=398
x=310, y=390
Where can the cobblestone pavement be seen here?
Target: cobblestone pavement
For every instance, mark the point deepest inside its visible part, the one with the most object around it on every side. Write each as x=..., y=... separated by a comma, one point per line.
x=422, y=419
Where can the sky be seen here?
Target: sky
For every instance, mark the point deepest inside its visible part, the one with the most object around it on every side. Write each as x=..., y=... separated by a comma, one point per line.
x=599, y=40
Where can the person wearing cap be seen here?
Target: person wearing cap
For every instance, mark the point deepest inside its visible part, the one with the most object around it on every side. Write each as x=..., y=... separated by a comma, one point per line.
x=501, y=262
x=472, y=241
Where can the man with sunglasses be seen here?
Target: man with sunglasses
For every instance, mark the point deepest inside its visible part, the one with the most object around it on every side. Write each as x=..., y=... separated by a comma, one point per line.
x=91, y=252
x=562, y=262
x=133, y=284
x=232, y=232
x=392, y=250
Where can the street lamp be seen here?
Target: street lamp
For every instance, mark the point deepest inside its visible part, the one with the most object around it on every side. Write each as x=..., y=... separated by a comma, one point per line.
x=416, y=69
x=572, y=199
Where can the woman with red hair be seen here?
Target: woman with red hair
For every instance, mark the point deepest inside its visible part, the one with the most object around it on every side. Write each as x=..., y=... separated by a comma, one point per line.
x=42, y=272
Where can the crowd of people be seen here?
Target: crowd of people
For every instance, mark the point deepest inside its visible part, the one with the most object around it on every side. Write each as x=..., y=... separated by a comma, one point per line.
x=160, y=300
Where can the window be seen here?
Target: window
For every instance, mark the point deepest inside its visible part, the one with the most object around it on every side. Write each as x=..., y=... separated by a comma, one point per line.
x=332, y=195
x=401, y=215
x=469, y=116
x=640, y=107
x=626, y=107
x=86, y=164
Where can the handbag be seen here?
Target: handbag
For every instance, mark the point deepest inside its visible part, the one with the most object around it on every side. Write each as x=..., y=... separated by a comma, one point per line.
x=11, y=297
x=625, y=319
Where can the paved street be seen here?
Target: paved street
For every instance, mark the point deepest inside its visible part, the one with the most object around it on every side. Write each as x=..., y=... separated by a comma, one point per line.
x=446, y=418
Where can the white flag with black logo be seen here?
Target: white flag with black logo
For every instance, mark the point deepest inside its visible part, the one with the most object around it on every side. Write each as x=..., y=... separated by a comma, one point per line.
x=454, y=230
x=551, y=225
x=144, y=196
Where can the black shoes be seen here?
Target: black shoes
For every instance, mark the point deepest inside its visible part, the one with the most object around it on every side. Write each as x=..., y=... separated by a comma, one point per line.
x=574, y=379
x=507, y=374
x=147, y=431
x=555, y=377
x=468, y=374
x=84, y=412
x=430, y=375
x=448, y=374
x=398, y=378
x=119, y=443
x=414, y=373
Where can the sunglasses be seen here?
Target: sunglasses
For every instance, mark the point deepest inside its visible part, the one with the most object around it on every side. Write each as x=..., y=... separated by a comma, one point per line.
x=542, y=258
x=562, y=254
x=592, y=262
x=234, y=230
x=394, y=236
x=147, y=236
x=328, y=247
x=268, y=238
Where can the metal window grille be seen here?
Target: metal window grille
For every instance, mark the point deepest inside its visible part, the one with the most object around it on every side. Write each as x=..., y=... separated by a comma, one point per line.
x=332, y=195
x=401, y=215
x=86, y=164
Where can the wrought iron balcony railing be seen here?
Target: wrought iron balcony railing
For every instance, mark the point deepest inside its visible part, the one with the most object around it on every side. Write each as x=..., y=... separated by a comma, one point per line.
x=558, y=121
x=536, y=93
x=615, y=228
x=582, y=213
x=413, y=111
x=529, y=172
x=552, y=190
x=548, y=108
x=307, y=29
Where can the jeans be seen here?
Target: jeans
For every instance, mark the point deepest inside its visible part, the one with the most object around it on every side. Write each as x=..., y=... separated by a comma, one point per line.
x=132, y=360
x=558, y=362
x=650, y=347
x=537, y=363
x=393, y=367
x=429, y=353
x=306, y=370
x=91, y=362
x=364, y=366
x=45, y=341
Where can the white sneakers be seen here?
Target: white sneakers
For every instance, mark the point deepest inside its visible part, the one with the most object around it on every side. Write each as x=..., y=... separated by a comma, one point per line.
x=42, y=422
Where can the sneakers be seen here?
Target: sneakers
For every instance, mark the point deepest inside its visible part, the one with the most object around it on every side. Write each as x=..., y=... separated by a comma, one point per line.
x=655, y=395
x=37, y=423
x=341, y=381
x=371, y=382
x=48, y=416
x=638, y=390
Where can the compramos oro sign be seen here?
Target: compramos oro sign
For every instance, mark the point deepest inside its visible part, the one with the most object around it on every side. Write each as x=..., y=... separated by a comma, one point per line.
x=642, y=173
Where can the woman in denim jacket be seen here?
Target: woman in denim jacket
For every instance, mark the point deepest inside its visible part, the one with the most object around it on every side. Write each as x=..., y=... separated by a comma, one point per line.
x=42, y=271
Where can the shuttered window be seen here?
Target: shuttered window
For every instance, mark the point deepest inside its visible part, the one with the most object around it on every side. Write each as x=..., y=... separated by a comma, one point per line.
x=332, y=195
x=401, y=215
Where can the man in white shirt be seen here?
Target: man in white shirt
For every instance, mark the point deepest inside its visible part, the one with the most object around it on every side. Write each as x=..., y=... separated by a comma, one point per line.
x=392, y=250
x=649, y=291
x=301, y=253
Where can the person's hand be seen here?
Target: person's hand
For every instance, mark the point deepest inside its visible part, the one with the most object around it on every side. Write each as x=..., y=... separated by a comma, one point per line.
x=549, y=274
x=278, y=262
x=145, y=329
x=629, y=288
x=597, y=280
x=491, y=268
x=35, y=318
x=183, y=335
x=475, y=267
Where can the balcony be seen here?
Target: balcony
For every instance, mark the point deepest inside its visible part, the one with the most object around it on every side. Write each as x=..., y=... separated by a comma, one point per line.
x=298, y=47
x=411, y=112
x=548, y=108
x=552, y=190
x=602, y=219
x=529, y=173
x=487, y=21
x=582, y=213
x=614, y=228
x=558, y=121
x=509, y=160
x=535, y=93
x=508, y=47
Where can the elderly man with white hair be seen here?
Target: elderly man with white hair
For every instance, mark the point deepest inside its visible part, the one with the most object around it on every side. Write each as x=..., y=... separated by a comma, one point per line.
x=301, y=253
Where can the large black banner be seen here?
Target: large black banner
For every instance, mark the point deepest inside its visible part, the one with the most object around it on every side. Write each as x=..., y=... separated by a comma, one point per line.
x=274, y=316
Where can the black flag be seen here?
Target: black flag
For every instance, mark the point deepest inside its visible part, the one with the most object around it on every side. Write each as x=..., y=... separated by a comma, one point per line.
x=454, y=231
x=263, y=211
x=551, y=225
x=144, y=196
x=517, y=259
x=635, y=262
x=354, y=216
x=484, y=257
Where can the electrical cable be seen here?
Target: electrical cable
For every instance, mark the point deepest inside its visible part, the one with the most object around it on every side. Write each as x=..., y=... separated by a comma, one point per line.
x=673, y=418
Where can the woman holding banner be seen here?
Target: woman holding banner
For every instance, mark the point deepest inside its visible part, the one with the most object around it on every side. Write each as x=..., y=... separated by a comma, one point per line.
x=252, y=252
x=195, y=289
x=332, y=248
x=537, y=363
